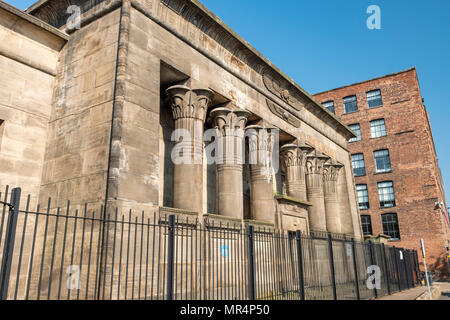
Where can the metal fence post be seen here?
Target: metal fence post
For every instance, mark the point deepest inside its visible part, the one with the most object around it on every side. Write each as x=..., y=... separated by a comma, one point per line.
x=410, y=269
x=333, y=276
x=251, y=262
x=301, y=284
x=9, y=243
x=416, y=262
x=405, y=271
x=397, y=270
x=355, y=269
x=372, y=262
x=386, y=272
x=170, y=256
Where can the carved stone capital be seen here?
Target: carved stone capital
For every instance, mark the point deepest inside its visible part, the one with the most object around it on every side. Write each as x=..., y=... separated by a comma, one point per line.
x=260, y=148
x=189, y=103
x=259, y=137
x=228, y=121
x=315, y=162
x=331, y=171
x=293, y=155
x=230, y=125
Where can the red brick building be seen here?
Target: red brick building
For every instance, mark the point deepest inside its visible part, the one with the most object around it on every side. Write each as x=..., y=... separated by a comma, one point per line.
x=397, y=176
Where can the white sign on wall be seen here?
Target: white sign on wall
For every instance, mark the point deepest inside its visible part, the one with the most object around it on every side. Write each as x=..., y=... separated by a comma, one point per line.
x=348, y=249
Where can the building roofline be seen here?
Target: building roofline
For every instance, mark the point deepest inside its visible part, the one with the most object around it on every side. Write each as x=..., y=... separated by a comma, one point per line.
x=35, y=5
x=208, y=12
x=361, y=82
x=33, y=20
x=250, y=49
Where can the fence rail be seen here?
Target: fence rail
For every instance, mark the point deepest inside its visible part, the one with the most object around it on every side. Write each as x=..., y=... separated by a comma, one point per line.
x=76, y=253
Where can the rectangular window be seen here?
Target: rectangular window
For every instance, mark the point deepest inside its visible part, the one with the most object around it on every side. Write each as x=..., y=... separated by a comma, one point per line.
x=386, y=194
x=355, y=127
x=329, y=105
x=366, y=224
x=377, y=128
x=382, y=161
x=390, y=225
x=359, y=168
x=363, y=196
x=374, y=98
x=350, y=104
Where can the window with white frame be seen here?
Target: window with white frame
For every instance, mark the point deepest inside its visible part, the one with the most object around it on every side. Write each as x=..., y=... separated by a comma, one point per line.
x=350, y=104
x=329, y=105
x=357, y=129
x=363, y=196
x=359, y=168
x=377, y=128
x=382, y=161
x=374, y=98
x=386, y=194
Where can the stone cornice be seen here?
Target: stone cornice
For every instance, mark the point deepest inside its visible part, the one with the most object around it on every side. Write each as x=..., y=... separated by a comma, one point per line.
x=195, y=12
x=277, y=83
x=35, y=21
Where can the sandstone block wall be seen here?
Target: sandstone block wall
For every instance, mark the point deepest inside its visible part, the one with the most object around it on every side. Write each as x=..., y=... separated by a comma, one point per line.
x=28, y=60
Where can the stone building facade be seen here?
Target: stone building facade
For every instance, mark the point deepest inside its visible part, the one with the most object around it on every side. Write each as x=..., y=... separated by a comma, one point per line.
x=88, y=115
x=397, y=176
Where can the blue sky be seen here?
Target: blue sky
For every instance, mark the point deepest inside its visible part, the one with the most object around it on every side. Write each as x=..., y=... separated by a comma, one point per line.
x=325, y=44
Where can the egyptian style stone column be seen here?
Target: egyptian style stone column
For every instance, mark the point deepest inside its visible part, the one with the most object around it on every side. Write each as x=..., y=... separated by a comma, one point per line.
x=330, y=177
x=293, y=161
x=230, y=158
x=314, y=190
x=344, y=201
x=189, y=111
x=262, y=203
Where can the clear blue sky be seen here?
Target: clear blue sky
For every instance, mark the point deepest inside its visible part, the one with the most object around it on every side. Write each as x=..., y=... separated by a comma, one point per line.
x=325, y=44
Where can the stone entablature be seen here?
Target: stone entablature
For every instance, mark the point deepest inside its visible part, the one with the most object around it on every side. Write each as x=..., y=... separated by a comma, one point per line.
x=289, y=95
x=160, y=69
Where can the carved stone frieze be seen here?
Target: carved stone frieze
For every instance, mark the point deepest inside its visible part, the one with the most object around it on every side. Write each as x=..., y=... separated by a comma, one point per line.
x=283, y=114
x=283, y=91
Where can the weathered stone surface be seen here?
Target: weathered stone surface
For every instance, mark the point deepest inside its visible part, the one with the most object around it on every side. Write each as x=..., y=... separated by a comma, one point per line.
x=93, y=123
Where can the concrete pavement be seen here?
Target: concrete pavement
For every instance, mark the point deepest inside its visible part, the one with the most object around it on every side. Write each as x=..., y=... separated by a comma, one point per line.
x=440, y=291
x=411, y=294
x=445, y=290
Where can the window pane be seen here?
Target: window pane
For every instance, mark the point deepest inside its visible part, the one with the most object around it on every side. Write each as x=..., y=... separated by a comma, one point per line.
x=390, y=225
x=374, y=98
x=355, y=127
x=382, y=161
x=359, y=168
x=363, y=196
x=350, y=104
x=377, y=128
x=329, y=105
x=386, y=194
x=366, y=224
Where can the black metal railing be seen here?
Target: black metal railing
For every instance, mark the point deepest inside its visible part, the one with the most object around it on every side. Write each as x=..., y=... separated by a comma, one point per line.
x=76, y=252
